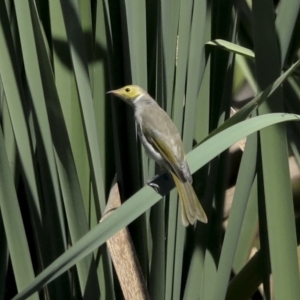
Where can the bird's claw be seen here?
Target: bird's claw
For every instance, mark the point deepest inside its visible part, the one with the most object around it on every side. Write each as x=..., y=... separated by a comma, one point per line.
x=161, y=183
x=154, y=186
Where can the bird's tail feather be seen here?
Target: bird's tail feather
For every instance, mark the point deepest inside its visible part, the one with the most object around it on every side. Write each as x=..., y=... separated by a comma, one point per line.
x=191, y=209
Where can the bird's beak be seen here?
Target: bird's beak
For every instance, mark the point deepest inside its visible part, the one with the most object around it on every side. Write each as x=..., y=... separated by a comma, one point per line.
x=115, y=93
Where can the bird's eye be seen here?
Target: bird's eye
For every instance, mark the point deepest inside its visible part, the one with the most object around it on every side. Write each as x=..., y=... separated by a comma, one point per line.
x=127, y=90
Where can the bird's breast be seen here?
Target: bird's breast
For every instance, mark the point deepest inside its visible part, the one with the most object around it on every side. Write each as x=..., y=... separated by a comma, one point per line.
x=150, y=150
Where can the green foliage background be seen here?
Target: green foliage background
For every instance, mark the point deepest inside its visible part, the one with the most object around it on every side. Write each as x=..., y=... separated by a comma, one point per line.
x=62, y=140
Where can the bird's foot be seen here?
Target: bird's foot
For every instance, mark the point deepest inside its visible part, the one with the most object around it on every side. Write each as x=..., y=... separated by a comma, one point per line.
x=161, y=183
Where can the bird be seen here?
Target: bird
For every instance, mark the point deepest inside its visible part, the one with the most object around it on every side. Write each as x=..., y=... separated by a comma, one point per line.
x=162, y=142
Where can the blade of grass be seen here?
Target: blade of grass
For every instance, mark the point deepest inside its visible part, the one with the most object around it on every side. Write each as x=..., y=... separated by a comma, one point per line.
x=104, y=123
x=54, y=223
x=157, y=270
x=86, y=18
x=195, y=281
x=4, y=259
x=69, y=184
x=231, y=47
x=247, y=280
x=134, y=207
x=224, y=21
x=274, y=155
x=102, y=107
x=167, y=59
x=9, y=71
x=263, y=228
x=198, y=76
x=182, y=51
x=195, y=70
x=285, y=22
x=79, y=60
x=167, y=50
x=13, y=225
x=242, y=190
x=248, y=231
x=183, y=42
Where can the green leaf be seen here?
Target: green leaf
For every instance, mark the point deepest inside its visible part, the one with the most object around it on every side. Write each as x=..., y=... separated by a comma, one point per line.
x=231, y=47
x=13, y=225
x=146, y=198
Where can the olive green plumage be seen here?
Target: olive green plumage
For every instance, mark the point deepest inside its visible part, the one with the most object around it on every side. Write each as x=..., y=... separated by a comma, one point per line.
x=162, y=142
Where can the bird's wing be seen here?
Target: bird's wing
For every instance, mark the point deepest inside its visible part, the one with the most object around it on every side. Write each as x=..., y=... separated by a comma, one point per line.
x=164, y=149
x=166, y=140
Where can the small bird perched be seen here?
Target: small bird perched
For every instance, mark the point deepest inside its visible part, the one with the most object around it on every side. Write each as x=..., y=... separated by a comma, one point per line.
x=162, y=142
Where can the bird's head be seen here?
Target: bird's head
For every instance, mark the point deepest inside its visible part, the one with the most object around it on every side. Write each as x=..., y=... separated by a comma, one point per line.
x=129, y=93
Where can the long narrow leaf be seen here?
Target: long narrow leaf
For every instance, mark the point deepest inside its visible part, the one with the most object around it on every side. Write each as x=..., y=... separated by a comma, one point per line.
x=134, y=207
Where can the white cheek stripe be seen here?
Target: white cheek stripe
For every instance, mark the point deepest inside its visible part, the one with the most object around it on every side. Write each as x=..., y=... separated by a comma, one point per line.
x=138, y=98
